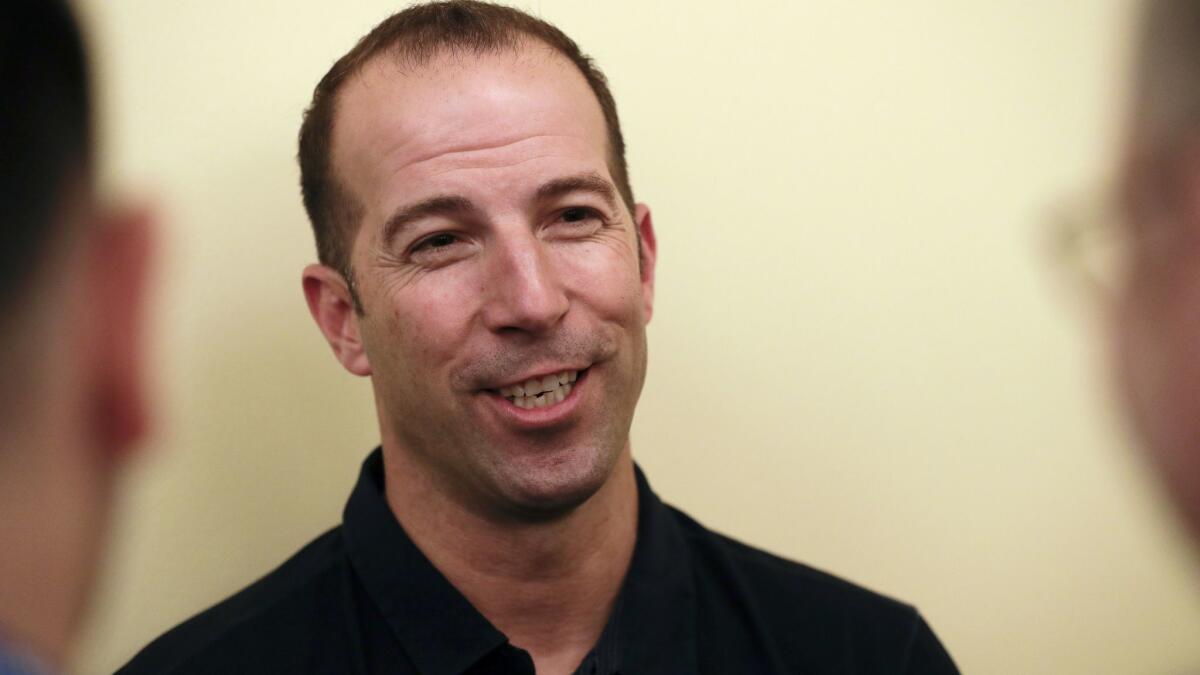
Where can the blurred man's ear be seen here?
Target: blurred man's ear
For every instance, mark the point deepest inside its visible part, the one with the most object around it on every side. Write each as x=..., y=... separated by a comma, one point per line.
x=119, y=251
x=332, y=307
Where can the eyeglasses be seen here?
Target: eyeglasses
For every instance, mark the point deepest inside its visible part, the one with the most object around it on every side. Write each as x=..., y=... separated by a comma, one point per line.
x=1103, y=237
x=1090, y=243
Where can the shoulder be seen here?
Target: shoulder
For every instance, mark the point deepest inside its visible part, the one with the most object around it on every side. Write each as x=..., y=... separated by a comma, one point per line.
x=277, y=608
x=813, y=618
x=774, y=578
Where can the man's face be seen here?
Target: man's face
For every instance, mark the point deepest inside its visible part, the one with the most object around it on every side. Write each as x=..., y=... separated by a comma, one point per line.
x=495, y=261
x=1157, y=317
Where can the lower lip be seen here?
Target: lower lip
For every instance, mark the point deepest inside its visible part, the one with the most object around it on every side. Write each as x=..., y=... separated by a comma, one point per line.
x=546, y=416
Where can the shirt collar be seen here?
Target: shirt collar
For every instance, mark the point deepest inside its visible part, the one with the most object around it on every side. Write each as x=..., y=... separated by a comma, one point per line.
x=658, y=607
x=444, y=634
x=438, y=628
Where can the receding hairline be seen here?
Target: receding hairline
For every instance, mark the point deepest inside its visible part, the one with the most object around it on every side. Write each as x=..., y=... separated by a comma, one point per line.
x=418, y=35
x=408, y=63
x=410, y=58
x=446, y=57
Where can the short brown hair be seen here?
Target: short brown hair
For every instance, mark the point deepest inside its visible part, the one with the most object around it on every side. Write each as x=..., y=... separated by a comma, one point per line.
x=414, y=36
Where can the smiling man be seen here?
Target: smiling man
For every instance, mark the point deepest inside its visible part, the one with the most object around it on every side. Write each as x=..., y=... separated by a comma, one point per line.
x=484, y=262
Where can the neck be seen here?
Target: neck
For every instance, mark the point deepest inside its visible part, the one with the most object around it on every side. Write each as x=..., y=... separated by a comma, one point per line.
x=55, y=493
x=549, y=586
x=36, y=598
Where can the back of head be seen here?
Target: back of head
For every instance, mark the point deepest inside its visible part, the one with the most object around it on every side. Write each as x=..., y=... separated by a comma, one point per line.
x=413, y=37
x=45, y=156
x=45, y=133
x=71, y=281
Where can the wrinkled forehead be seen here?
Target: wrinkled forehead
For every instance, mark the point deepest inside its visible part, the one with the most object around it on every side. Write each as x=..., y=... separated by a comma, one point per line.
x=511, y=106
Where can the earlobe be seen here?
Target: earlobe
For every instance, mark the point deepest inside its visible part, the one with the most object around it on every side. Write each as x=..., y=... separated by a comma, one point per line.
x=332, y=307
x=647, y=255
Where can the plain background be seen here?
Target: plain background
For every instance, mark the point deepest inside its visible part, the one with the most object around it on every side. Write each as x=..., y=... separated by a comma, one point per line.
x=861, y=355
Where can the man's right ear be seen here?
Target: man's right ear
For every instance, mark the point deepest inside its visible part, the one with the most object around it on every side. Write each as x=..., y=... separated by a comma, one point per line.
x=332, y=307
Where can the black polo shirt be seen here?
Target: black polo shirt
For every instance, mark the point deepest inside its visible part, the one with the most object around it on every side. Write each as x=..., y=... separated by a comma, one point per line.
x=362, y=598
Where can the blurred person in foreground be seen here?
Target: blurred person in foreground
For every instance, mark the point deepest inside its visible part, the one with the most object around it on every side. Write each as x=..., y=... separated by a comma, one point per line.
x=1138, y=248
x=71, y=295
x=484, y=261
x=1157, y=295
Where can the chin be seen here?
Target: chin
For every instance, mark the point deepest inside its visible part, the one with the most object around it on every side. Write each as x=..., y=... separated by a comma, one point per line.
x=545, y=488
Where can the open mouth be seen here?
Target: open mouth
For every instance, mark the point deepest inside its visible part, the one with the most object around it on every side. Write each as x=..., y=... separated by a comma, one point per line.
x=543, y=391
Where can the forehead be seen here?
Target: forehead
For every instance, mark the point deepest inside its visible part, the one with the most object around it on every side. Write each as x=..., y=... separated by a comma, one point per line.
x=401, y=131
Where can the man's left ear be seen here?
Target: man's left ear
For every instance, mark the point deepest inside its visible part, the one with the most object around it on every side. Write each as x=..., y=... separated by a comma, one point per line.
x=647, y=255
x=119, y=250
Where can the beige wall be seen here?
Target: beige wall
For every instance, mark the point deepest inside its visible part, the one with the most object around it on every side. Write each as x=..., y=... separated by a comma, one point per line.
x=860, y=358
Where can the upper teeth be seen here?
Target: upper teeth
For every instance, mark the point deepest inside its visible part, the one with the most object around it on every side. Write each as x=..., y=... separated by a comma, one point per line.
x=536, y=393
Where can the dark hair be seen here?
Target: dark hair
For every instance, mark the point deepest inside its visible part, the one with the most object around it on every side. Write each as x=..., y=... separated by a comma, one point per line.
x=45, y=130
x=414, y=36
x=1167, y=73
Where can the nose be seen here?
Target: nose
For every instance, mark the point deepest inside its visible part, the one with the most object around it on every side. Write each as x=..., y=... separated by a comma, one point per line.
x=523, y=292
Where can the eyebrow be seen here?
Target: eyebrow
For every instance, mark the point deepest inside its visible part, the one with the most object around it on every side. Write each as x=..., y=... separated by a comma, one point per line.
x=585, y=182
x=457, y=205
x=443, y=205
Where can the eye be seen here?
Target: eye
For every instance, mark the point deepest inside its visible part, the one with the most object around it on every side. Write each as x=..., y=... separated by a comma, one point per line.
x=577, y=214
x=442, y=247
x=577, y=221
x=440, y=240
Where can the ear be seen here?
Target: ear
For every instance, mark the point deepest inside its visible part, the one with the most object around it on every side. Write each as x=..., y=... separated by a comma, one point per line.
x=332, y=307
x=647, y=256
x=119, y=251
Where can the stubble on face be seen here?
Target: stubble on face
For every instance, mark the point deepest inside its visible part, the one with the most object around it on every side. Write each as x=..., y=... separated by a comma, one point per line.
x=532, y=475
x=431, y=363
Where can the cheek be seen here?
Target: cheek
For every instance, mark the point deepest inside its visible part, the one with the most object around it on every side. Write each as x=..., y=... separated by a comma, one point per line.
x=1158, y=352
x=424, y=327
x=606, y=279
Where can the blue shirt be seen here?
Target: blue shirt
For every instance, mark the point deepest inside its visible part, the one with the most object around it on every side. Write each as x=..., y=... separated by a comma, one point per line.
x=18, y=662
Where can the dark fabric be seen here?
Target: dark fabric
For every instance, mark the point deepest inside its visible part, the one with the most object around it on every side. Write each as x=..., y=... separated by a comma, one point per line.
x=362, y=599
x=605, y=657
